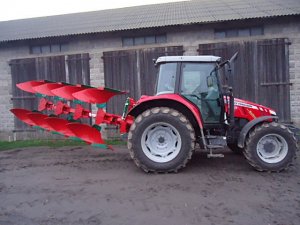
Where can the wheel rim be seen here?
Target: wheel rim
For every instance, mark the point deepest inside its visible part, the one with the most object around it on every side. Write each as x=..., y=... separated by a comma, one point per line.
x=272, y=148
x=161, y=142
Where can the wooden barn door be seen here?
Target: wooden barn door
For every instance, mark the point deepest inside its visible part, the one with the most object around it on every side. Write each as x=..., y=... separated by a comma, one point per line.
x=70, y=68
x=261, y=72
x=22, y=70
x=133, y=71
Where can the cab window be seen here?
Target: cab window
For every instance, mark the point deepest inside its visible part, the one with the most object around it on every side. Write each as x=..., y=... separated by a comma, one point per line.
x=199, y=85
x=166, y=78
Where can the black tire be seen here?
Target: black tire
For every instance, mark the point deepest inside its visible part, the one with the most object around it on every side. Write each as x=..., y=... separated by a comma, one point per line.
x=263, y=141
x=236, y=149
x=146, y=127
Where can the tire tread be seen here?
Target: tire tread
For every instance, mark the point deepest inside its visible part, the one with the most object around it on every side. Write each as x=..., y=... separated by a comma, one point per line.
x=164, y=110
x=248, y=151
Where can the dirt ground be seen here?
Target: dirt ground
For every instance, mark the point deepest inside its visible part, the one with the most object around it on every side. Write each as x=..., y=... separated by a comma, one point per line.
x=84, y=185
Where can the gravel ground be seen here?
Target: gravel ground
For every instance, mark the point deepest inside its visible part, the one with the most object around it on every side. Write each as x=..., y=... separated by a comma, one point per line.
x=84, y=185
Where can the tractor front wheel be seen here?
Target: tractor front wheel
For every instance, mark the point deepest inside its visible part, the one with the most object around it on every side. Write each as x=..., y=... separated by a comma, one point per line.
x=161, y=140
x=271, y=147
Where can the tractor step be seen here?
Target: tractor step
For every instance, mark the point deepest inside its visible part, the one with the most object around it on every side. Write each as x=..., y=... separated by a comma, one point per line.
x=214, y=155
x=215, y=146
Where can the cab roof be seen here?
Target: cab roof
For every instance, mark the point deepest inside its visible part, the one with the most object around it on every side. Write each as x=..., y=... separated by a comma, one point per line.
x=200, y=58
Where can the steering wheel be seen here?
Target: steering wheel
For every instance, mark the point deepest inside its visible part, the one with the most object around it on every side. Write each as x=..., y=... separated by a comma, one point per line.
x=210, y=111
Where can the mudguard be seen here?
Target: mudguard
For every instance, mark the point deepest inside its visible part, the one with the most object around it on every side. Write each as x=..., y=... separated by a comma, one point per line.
x=249, y=126
x=150, y=101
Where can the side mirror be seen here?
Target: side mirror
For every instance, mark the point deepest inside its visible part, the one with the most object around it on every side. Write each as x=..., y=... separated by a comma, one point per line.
x=209, y=81
x=229, y=69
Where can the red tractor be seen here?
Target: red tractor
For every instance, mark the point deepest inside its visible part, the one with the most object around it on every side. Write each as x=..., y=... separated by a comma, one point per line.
x=193, y=105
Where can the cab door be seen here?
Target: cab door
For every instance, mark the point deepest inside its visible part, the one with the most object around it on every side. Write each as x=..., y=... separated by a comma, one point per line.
x=199, y=84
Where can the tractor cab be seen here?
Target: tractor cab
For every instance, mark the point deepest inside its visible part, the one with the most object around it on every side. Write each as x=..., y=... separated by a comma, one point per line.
x=196, y=79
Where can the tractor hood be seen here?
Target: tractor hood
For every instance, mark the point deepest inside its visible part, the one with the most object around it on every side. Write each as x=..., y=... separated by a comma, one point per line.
x=250, y=110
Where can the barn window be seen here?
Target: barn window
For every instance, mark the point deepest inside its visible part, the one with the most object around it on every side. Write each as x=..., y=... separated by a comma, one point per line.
x=139, y=40
x=238, y=32
x=127, y=41
x=48, y=48
x=161, y=39
x=144, y=40
x=150, y=40
x=55, y=48
x=256, y=31
x=35, y=50
x=45, y=49
x=245, y=32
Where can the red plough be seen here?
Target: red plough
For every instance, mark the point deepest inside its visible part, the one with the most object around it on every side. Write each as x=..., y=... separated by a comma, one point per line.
x=72, y=128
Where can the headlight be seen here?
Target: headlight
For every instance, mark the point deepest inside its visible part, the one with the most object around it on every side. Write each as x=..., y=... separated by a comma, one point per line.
x=273, y=113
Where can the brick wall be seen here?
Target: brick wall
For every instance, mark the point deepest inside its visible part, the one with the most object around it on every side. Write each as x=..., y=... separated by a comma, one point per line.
x=6, y=118
x=294, y=53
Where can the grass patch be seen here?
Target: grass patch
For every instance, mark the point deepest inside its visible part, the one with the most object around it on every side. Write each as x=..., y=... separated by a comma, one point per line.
x=6, y=145
x=115, y=142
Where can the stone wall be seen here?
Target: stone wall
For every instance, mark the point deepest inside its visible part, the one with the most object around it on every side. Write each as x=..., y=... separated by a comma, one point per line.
x=6, y=118
x=294, y=53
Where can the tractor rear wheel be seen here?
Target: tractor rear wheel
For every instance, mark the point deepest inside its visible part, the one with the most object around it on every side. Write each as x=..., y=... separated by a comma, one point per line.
x=161, y=140
x=271, y=147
